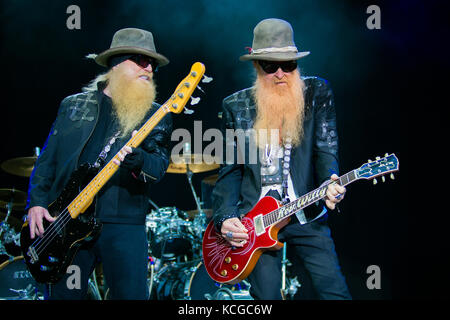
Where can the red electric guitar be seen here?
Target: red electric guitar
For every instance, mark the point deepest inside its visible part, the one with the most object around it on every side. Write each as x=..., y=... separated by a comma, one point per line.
x=227, y=264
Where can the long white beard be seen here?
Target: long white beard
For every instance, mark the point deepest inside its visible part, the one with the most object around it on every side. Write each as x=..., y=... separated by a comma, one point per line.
x=131, y=98
x=279, y=108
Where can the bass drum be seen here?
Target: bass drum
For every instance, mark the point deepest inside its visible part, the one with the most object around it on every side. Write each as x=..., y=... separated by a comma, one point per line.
x=17, y=283
x=192, y=282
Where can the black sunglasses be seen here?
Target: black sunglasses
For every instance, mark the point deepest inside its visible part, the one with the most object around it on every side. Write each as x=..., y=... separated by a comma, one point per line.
x=272, y=66
x=144, y=61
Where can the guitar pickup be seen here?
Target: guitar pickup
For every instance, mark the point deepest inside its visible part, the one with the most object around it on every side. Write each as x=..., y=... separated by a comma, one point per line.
x=32, y=254
x=259, y=225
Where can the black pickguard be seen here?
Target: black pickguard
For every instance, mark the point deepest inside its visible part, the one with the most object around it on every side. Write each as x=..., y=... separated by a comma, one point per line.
x=58, y=246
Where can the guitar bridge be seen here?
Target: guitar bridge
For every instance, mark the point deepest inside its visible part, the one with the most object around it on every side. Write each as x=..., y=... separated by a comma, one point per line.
x=259, y=225
x=32, y=254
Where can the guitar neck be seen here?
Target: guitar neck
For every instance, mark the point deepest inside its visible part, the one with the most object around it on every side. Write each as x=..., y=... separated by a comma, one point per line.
x=294, y=206
x=85, y=197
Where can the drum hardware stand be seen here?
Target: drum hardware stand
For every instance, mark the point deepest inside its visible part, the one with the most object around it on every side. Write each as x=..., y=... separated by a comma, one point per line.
x=4, y=226
x=92, y=283
x=189, y=175
x=293, y=284
x=225, y=293
x=219, y=293
x=200, y=218
x=153, y=204
x=152, y=274
x=29, y=293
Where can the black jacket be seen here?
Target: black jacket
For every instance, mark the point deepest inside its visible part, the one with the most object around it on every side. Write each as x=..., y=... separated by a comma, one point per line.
x=238, y=186
x=127, y=195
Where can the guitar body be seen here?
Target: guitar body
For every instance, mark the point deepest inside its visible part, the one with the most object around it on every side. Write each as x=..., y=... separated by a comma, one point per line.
x=57, y=247
x=227, y=264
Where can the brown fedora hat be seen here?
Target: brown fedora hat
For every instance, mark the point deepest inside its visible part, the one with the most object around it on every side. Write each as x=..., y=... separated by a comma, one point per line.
x=273, y=40
x=131, y=40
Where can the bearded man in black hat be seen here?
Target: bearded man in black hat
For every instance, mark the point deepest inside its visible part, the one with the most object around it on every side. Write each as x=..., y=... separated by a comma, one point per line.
x=293, y=123
x=91, y=127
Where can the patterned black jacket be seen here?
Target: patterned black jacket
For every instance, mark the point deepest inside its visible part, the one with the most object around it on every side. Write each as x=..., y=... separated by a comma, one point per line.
x=238, y=186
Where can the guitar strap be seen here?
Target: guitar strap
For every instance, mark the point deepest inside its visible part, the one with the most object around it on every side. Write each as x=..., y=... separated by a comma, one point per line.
x=286, y=165
x=101, y=159
x=280, y=176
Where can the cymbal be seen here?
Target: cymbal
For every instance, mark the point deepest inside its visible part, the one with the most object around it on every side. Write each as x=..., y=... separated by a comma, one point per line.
x=193, y=213
x=17, y=198
x=195, y=166
x=19, y=166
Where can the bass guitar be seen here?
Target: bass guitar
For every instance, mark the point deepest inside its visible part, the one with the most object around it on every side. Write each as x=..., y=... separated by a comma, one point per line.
x=227, y=264
x=47, y=257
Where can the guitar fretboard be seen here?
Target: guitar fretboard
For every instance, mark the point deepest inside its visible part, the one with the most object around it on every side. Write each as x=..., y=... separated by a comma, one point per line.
x=306, y=200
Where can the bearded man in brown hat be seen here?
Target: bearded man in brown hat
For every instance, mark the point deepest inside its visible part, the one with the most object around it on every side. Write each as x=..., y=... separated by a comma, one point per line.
x=91, y=127
x=293, y=124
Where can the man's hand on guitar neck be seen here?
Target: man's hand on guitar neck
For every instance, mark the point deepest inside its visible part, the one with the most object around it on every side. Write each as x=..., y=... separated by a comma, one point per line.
x=234, y=232
x=335, y=193
x=35, y=217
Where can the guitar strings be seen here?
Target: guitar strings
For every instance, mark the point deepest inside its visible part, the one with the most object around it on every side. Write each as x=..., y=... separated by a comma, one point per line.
x=62, y=223
x=55, y=227
x=41, y=241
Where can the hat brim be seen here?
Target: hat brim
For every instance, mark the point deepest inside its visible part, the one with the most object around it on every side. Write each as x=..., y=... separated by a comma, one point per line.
x=102, y=58
x=274, y=56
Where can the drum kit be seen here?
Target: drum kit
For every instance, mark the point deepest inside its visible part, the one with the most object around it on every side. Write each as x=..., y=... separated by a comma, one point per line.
x=176, y=271
x=16, y=282
x=175, y=268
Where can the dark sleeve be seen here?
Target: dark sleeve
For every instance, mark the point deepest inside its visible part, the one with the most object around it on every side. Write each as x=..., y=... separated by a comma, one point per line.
x=325, y=148
x=226, y=193
x=43, y=174
x=156, y=151
x=325, y=151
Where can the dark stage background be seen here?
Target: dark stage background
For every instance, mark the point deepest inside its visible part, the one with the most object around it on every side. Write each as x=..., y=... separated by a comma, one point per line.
x=369, y=70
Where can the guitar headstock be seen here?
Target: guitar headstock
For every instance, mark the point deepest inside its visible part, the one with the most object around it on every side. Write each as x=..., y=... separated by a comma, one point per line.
x=185, y=88
x=379, y=167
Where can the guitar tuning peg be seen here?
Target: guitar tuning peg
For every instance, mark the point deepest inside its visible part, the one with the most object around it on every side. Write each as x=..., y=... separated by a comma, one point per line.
x=199, y=88
x=375, y=181
x=377, y=158
x=369, y=161
x=392, y=176
x=383, y=179
x=206, y=79
x=386, y=154
x=188, y=111
x=194, y=100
